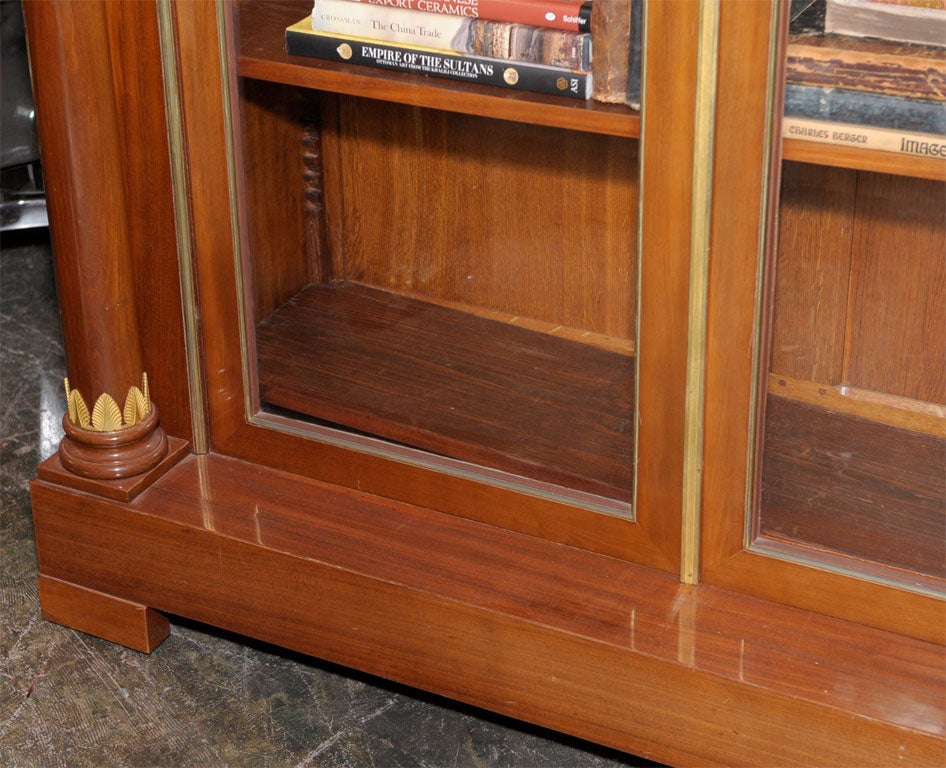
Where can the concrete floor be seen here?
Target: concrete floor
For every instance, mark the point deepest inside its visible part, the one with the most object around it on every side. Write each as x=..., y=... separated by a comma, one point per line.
x=203, y=698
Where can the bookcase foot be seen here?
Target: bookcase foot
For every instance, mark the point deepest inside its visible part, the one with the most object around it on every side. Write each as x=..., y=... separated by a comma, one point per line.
x=96, y=613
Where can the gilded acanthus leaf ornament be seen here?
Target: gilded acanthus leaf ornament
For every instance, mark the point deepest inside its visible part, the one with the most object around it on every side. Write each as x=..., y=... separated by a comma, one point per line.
x=106, y=416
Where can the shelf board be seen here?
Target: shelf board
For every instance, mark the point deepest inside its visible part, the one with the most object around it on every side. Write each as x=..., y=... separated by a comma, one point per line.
x=884, y=486
x=454, y=383
x=262, y=56
x=803, y=151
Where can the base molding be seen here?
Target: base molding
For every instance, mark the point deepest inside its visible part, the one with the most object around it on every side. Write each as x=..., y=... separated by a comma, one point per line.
x=574, y=641
x=95, y=613
x=121, y=489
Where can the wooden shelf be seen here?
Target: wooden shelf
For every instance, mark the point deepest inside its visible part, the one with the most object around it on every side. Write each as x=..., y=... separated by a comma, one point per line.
x=457, y=384
x=864, y=159
x=262, y=56
x=884, y=485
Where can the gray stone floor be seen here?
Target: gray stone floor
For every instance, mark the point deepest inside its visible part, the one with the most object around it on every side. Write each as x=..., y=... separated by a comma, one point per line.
x=203, y=698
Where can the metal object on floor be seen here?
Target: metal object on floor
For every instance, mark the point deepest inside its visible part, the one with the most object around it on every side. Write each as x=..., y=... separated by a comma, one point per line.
x=22, y=193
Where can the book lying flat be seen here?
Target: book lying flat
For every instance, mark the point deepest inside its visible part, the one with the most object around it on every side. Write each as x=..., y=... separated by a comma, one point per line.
x=458, y=34
x=880, y=67
x=569, y=15
x=302, y=40
x=865, y=137
x=863, y=108
x=910, y=22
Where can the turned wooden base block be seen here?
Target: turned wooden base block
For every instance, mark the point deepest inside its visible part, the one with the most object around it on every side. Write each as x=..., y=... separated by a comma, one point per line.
x=123, y=489
x=95, y=613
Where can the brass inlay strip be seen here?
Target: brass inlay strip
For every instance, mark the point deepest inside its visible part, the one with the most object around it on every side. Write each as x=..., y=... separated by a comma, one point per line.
x=195, y=381
x=699, y=271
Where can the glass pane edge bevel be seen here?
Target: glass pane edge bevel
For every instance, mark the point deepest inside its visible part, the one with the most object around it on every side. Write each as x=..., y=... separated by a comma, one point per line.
x=417, y=457
x=772, y=162
x=884, y=576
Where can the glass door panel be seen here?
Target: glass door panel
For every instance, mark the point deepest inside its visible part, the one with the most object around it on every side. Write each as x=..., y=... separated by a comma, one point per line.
x=445, y=286
x=851, y=469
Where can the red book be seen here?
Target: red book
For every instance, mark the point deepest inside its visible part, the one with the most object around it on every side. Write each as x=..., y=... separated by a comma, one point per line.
x=570, y=15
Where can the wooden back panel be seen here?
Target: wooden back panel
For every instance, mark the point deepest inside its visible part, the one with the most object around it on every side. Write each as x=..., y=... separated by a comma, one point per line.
x=531, y=221
x=860, y=286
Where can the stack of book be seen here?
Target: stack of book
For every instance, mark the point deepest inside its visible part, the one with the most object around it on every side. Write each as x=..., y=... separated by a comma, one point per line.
x=543, y=46
x=860, y=85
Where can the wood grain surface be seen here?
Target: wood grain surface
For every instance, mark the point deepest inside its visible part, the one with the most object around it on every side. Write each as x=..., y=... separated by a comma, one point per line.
x=850, y=485
x=586, y=644
x=453, y=383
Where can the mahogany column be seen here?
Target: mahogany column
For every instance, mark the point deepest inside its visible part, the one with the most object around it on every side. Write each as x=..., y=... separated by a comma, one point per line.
x=79, y=126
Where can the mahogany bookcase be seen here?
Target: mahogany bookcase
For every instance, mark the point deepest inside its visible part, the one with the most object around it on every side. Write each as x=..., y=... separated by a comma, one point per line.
x=629, y=424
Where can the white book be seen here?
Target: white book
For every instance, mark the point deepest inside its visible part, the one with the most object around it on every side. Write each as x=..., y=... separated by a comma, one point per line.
x=886, y=20
x=865, y=137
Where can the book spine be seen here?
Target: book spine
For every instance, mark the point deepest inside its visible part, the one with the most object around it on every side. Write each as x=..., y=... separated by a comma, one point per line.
x=865, y=137
x=861, y=108
x=919, y=73
x=568, y=15
x=521, y=76
x=611, y=20
x=482, y=37
x=635, y=55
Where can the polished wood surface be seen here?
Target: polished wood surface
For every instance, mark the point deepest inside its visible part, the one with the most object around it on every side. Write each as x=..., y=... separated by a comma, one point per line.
x=236, y=426
x=864, y=159
x=813, y=272
x=207, y=134
x=665, y=231
x=900, y=265
x=567, y=199
x=273, y=124
x=97, y=613
x=731, y=413
x=849, y=485
x=114, y=454
x=854, y=249
x=261, y=28
x=582, y=643
x=880, y=407
x=393, y=560
x=535, y=222
x=93, y=253
x=122, y=489
x=453, y=383
x=135, y=52
x=113, y=233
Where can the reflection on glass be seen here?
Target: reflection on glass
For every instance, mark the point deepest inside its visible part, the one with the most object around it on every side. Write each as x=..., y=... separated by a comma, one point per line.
x=853, y=444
